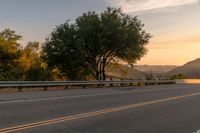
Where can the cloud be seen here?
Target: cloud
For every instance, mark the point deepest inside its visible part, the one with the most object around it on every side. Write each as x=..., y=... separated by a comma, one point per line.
x=142, y=5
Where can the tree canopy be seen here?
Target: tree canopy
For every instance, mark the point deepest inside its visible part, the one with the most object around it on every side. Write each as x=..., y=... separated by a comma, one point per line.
x=75, y=51
x=9, y=53
x=18, y=62
x=94, y=41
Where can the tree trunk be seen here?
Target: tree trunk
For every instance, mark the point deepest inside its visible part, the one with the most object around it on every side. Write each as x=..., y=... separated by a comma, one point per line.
x=104, y=73
x=103, y=70
x=97, y=75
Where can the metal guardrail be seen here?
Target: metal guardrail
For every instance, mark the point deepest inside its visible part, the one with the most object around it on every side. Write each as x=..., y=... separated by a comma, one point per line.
x=46, y=84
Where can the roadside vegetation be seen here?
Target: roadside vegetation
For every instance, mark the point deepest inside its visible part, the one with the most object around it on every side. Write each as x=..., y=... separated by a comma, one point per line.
x=75, y=51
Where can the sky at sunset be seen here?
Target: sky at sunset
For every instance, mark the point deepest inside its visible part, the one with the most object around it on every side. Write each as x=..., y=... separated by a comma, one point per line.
x=174, y=24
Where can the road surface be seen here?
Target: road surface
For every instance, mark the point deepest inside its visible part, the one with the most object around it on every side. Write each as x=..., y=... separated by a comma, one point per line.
x=148, y=109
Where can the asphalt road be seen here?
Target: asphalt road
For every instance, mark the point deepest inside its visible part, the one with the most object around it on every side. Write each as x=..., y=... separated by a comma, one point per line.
x=150, y=109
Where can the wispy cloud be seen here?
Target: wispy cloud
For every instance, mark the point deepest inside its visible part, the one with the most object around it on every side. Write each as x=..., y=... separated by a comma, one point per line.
x=142, y=5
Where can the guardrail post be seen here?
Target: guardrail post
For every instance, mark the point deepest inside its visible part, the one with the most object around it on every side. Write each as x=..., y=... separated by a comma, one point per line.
x=45, y=88
x=111, y=83
x=66, y=87
x=139, y=83
x=83, y=86
x=131, y=84
x=121, y=83
x=98, y=85
x=101, y=84
x=19, y=89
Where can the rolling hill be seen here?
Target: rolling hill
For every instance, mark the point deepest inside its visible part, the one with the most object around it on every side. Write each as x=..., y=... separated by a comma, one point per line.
x=124, y=71
x=155, y=69
x=189, y=70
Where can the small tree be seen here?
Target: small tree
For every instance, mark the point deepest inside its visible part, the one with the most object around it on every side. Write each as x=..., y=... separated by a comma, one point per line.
x=31, y=65
x=95, y=40
x=9, y=54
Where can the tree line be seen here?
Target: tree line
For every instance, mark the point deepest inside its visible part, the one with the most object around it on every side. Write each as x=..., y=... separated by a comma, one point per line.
x=75, y=51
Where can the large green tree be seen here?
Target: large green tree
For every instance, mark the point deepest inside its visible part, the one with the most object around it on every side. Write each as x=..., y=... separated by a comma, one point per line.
x=95, y=40
x=62, y=50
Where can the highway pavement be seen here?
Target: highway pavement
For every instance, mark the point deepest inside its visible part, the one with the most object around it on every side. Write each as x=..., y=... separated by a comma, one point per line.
x=145, y=109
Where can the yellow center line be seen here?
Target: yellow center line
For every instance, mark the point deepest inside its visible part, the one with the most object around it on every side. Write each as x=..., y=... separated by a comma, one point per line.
x=90, y=114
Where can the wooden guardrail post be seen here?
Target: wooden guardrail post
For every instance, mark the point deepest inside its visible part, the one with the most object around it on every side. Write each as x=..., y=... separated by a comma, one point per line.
x=66, y=87
x=139, y=83
x=20, y=89
x=111, y=85
x=83, y=86
x=121, y=83
x=45, y=88
x=131, y=84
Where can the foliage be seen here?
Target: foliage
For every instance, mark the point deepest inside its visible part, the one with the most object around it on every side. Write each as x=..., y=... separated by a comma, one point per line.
x=62, y=51
x=95, y=40
x=18, y=63
x=178, y=76
x=31, y=65
x=9, y=54
x=38, y=71
x=77, y=51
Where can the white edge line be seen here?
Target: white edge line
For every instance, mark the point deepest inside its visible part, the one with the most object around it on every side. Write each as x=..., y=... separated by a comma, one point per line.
x=77, y=96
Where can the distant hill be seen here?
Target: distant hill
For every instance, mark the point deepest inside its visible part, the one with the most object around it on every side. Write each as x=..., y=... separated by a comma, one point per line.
x=124, y=71
x=190, y=69
x=155, y=69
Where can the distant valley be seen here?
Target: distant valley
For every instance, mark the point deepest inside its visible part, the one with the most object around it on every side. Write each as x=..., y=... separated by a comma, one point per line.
x=189, y=70
x=137, y=72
